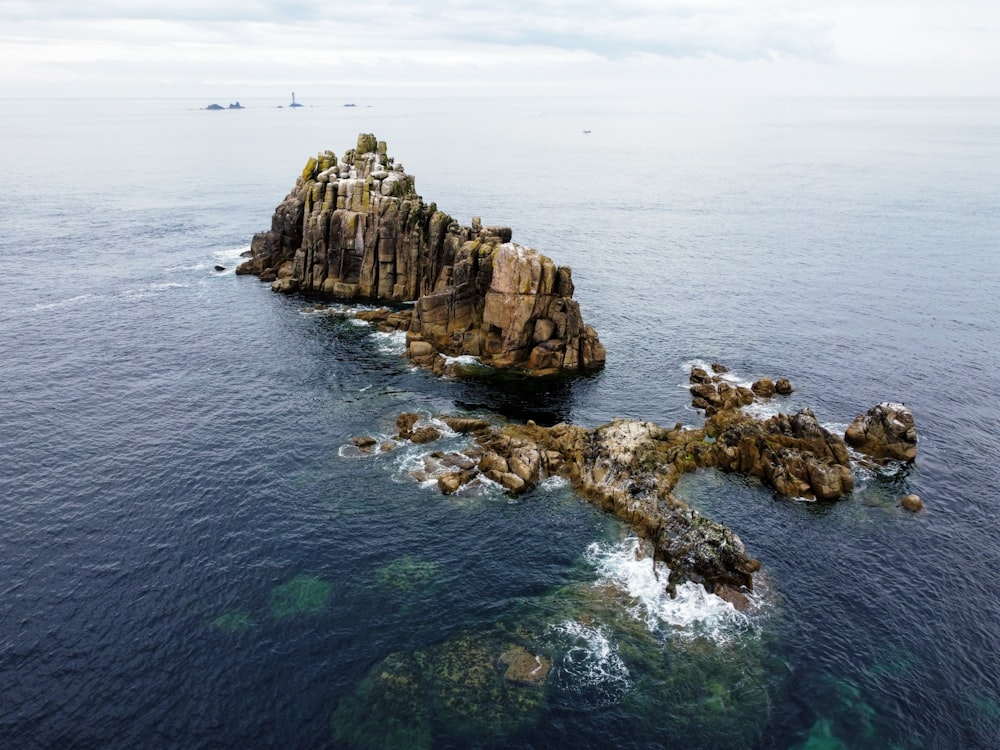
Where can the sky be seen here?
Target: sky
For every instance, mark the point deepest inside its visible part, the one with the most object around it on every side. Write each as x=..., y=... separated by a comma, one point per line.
x=228, y=49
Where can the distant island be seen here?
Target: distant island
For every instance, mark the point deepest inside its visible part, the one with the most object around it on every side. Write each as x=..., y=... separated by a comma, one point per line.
x=234, y=105
x=294, y=103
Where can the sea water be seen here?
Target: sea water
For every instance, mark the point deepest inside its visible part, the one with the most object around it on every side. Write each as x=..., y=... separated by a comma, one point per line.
x=192, y=555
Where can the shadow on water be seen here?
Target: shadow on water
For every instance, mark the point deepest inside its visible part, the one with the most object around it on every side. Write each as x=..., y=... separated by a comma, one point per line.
x=547, y=401
x=513, y=395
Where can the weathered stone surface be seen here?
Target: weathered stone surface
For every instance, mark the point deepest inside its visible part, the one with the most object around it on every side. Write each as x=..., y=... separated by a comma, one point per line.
x=886, y=431
x=364, y=442
x=356, y=228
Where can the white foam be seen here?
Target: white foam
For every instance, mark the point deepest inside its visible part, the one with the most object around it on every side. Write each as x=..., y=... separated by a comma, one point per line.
x=692, y=612
x=590, y=664
x=463, y=360
x=150, y=289
x=77, y=300
x=553, y=484
x=390, y=342
x=231, y=254
x=766, y=409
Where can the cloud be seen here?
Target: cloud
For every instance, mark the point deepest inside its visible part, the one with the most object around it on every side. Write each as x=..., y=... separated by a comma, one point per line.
x=517, y=44
x=727, y=28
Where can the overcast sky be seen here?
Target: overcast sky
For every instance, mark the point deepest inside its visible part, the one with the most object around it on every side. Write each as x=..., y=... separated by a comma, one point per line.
x=231, y=49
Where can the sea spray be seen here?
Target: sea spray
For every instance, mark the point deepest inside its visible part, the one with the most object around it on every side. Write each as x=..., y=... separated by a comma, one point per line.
x=692, y=612
x=590, y=669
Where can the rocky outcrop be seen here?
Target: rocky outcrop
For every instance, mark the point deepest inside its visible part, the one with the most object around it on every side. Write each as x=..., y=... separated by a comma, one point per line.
x=630, y=468
x=626, y=467
x=794, y=455
x=355, y=228
x=886, y=431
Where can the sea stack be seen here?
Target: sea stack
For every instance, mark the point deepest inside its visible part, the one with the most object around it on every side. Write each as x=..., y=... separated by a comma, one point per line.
x=354, y=228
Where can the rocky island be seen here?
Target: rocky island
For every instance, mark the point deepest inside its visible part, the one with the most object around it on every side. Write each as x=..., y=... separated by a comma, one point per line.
x=355, y=228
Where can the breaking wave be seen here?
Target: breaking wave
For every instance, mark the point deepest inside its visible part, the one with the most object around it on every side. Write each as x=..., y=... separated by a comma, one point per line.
x=693, y=612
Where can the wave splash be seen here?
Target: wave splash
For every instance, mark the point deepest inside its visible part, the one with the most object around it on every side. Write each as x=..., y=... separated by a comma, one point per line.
x=693, y=612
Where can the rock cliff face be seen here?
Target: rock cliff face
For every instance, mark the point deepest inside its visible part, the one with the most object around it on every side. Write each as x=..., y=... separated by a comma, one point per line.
x=354, y=228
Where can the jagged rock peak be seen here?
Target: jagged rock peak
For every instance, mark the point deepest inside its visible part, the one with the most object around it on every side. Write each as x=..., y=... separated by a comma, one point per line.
x=354, y=228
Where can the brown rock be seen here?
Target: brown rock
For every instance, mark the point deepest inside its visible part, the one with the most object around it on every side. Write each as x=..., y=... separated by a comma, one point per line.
x=466, y=424
x=421, y=349
x=912, y=503
x=698, y=375
x=405, y=422
x=886, y=431
x=364, y=442
x=512, y=482
x=763, y=388
x=426, y=434
x=782, y=386
x=493, y=462
x=737, y=598
x=457, y=461
x=450, y=483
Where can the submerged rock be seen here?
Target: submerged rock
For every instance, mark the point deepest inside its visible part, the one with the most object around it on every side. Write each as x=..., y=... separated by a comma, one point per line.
x=233, y=622
x=473, y=685
x=524, y=667
x=355, y=228
x=302, y=595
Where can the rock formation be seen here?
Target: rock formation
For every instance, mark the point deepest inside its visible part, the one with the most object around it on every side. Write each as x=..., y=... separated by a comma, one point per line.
x=886, y=431
x=354, y=228
x=630, y=468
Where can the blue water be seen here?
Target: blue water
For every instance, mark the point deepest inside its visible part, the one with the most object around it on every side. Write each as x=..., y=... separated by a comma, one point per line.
x=174, y=439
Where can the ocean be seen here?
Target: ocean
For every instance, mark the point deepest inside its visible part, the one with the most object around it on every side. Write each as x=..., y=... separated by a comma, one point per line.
x=193, y=555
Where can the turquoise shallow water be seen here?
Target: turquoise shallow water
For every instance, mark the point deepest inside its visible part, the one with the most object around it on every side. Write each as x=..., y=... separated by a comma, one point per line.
x=193, y=556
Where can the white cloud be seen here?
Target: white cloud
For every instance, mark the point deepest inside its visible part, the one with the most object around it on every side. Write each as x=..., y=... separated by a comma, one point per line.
x=535, y=46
